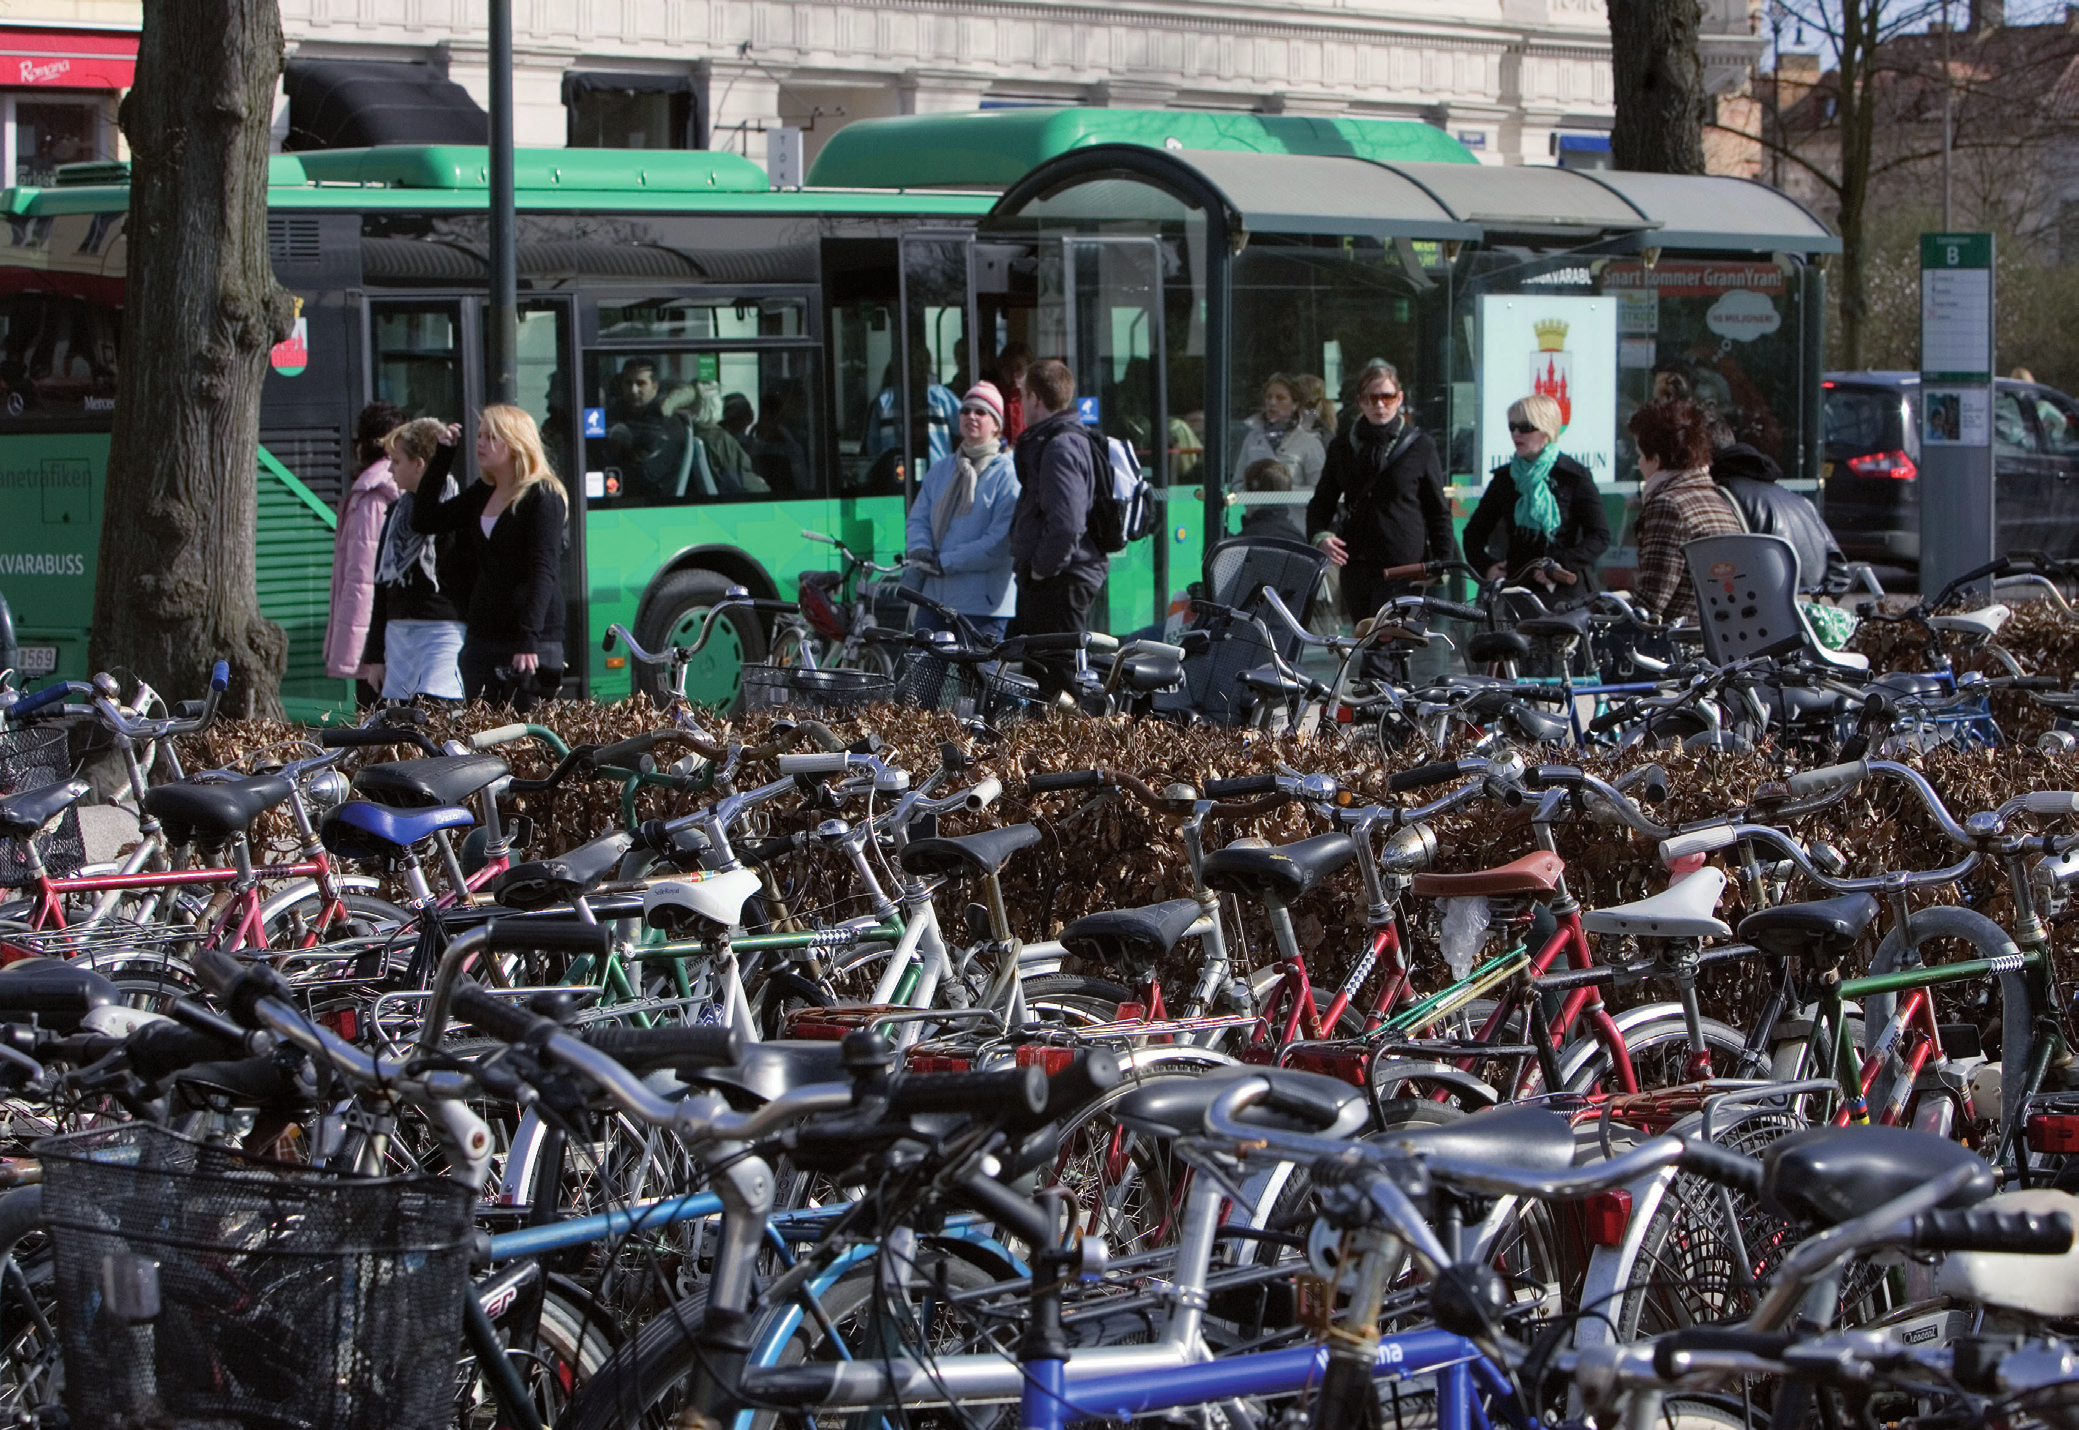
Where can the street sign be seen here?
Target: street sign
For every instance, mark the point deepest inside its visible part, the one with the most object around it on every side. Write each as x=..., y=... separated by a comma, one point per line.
x=1956, y=357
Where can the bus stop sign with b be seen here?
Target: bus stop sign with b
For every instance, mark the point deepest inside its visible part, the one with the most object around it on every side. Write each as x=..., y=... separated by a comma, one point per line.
x=1956, y=356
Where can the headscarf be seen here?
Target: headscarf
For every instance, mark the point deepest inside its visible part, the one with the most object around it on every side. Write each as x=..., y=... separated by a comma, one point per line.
x=958, y=499
x=1536, y=508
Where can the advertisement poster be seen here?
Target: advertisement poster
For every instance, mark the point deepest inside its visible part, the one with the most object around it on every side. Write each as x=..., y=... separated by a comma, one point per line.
x=1564, y=348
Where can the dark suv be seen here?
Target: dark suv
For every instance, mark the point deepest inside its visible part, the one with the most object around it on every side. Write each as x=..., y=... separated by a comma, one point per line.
x=1873, y=466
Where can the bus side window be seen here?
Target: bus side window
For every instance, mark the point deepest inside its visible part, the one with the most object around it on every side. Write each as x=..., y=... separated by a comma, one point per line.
x=693, y=428
x=863, y=341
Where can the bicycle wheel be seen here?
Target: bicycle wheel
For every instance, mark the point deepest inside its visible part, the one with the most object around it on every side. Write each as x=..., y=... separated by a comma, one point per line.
x=32, y=1365
x=1660, y=1056
x=362, y=916
x=571, y=1342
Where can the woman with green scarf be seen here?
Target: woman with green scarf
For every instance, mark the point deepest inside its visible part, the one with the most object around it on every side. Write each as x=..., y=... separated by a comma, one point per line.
x=1546, y=504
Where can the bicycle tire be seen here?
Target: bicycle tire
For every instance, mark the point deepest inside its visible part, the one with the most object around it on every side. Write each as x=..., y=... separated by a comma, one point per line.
x=1661, y=1042
x=32, y=1366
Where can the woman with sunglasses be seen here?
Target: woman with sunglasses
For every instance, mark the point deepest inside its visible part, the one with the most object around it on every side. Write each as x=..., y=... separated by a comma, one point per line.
x=959, y=528
x=1380, y=501
x=1545, y=504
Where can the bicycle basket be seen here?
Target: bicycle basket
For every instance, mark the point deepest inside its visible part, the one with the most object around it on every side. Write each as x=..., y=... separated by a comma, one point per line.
x=769, y=686
x=285, y=1295
x=29, y=760
x=814, y=591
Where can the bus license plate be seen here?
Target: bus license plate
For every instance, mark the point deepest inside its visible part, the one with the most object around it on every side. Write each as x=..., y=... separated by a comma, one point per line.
x=36, y=660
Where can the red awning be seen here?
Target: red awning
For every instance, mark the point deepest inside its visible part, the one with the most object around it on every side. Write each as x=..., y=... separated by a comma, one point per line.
x=67, y=59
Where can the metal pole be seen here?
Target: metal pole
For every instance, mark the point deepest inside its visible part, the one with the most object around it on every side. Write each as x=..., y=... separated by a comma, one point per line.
x=1948, y=97
x=502, y=330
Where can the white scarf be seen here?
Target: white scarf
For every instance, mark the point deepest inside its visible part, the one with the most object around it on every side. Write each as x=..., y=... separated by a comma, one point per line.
x=958, y=499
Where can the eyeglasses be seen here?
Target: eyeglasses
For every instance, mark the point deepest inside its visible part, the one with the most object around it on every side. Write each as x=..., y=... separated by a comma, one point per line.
x=976, y=410
x=1524, y=429
x=1381, y=399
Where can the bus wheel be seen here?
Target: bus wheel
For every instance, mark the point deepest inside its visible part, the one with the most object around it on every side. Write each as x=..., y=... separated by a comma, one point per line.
x=681, y=603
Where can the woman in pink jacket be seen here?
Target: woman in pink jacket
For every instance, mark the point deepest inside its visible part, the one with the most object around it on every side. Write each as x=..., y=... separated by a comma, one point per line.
x=360, y=531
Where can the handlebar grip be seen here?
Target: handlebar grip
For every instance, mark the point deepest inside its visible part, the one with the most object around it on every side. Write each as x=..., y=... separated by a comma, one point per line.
x=623, y=754
x=1546, y=776
x=1696, y=841
x=497, y=735
x=980, y=796
x=1423, y=776
x=220, y=676
x=767, y=850
x=1412, y=571
x=1454, y=608
x=1064, y=779
x=504, y=1020
x=49, y=695
x=778, y=608
x=158, y=1049
x=1059, y=641
x=1647, y=785
x=1241, y=786
x=1011, y=1092
x=1766, y=1344
x=561, y=935
x=1718, y=1164
x=2051, y=801
x=682, y=1045
x=1096, y=1071
x=817, y=762
x=2035, y=682
x=1989, y=1229
x=1806, y=783
x=216, y=969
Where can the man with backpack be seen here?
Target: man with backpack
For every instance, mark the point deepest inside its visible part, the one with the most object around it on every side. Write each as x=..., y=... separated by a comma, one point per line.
x=1059, y=563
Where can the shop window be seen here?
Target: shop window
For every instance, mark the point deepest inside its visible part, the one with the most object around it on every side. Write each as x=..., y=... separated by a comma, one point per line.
x=45, y=134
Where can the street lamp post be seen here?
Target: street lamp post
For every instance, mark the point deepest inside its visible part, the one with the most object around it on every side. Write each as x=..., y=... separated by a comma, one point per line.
x=502, y=328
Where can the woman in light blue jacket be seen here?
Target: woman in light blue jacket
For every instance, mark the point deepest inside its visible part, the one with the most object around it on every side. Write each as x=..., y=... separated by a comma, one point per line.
x=958, y=535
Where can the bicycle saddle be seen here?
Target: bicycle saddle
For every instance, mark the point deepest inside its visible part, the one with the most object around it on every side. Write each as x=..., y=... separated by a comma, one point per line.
x=1799, y=703
x=1280, y=871
x=1558, y=626
x=717, y=895
x=1532, y=874
x=1299, y=1102
x=1271, y=680
x=1827, y=927
x=1985, y=621
x=1146, y=672
x=1826, y=1175
x=52, y=993
x=769, y=1069
x=542, y=882
x=21, y=815
x=1529, y=1138
x=437, y=780
x=216, y=810
x=1923, y=687
x=364, y=832
x=1497, y=645
x=1131, y=940
x=958, y=854
x=1682, y=910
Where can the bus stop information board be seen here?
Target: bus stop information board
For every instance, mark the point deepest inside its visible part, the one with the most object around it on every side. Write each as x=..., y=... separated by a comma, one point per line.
x=1956, y=350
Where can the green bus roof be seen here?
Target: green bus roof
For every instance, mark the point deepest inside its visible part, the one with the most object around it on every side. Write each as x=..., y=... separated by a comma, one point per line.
x=996, y=148
x=409, y=177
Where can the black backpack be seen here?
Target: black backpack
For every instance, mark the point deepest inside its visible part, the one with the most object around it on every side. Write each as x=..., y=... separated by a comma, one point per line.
x=1117, y=518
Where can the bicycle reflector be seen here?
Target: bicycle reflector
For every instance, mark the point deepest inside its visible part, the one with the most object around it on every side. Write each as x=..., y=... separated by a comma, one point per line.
x=1608, y=1213
x=2053, y=1132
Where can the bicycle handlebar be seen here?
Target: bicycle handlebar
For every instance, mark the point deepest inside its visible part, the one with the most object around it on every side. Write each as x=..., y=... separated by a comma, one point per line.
x=134, y=729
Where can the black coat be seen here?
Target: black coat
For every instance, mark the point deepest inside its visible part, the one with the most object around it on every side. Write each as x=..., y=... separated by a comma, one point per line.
x=1583, y=534
x=1394, y=512
x=516, y=604
x=1750, y=478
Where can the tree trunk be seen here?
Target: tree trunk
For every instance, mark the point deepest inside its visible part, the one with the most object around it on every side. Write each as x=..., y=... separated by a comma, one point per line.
x=1856, y=109
x=175, y=590
x=1658, y=69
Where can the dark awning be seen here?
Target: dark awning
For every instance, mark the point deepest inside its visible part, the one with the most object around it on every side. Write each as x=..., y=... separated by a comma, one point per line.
x=583, y=82
x=352, y=104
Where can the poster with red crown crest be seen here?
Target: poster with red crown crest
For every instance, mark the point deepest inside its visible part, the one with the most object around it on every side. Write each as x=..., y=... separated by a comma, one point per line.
x=1562, y=347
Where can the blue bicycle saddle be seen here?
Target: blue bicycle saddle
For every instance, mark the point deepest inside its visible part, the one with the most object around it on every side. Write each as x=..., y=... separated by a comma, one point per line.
x=359, y=830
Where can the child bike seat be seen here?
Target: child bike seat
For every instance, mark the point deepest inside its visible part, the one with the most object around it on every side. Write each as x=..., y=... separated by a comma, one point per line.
x=216, y=810
x=1281, y=871
x=1682, y=910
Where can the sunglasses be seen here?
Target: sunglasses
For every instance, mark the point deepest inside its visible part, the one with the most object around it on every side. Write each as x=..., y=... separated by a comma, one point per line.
x=976, y=410
x=1524, y=429
x=1382, y=397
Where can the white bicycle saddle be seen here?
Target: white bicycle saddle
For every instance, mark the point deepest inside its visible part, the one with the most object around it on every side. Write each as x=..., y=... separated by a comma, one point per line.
x=1682, y=910
x=717, y=896
x=1985, y=621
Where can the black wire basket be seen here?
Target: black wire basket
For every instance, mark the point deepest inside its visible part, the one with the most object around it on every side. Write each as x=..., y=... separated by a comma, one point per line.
x=32, y=759
x=198, y=1284
x=768, y=687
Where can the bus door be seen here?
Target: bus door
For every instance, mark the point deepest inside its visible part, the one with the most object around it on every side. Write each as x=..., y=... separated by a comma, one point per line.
x=1092, y=302
x=428, y=355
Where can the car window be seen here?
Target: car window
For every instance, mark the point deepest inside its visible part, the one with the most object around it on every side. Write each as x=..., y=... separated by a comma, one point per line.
x=2013, y=435
x=2058, y=421
x=1861, y=419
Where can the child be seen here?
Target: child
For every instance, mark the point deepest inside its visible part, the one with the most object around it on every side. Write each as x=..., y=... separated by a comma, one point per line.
x=421, y=583
x=1268, y=474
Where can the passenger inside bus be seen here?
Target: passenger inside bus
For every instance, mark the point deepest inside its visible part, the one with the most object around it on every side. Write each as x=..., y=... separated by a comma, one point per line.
x=672, y=435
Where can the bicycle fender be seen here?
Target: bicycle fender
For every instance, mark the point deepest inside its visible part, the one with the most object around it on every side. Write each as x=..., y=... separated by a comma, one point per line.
x=2017, y=1011
x=304, y=888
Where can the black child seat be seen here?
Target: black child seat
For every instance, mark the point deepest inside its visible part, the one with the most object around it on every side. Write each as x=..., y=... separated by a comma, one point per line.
x=1236, y=571
x=956, y=855
x=439, y=780
x=215, y=810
